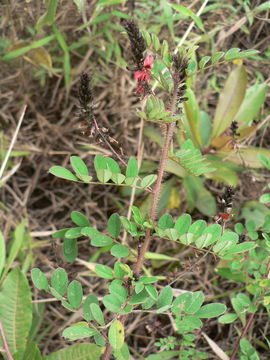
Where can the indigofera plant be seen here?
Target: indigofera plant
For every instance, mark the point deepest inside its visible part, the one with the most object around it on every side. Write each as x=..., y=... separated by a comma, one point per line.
x=131, y=285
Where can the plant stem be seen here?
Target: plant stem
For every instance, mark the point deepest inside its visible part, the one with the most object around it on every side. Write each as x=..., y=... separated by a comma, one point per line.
x=156, y=193
x=107, y=353
x=245, y=330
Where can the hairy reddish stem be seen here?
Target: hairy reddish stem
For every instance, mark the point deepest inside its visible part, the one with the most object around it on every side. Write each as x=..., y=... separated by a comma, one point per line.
x=245, y=330
x=5, y=343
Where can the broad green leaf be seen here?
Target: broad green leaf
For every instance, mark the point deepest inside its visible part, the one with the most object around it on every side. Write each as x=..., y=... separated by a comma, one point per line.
x=123, y=353
x=79, y=219
x=70, y=249
x=16, y=310
x=210, y=310
x=32, y=352
x=116, y=334
x=112, y=165
x=148, y=180
x=152, y=291
x=183, y=223
x=114, y=225
x=227, y=318
x=166, y=222
x=99, y=339
x=101, y=240
x=222, y=174
x=2, y=252
x=165, y=297
x=59, y=281
x=189, y=323
x=104, y=271
x=265, y=161
x=112, y=303
x=59, y=234
x=209, y=236
x=148, y=279
x=118, y=178
x=87, y=313
x=132, y=168
x=138, y=298
x=197, y=299
x=77, y=352
x=120, y=251
x=39, y=279
x=252, y=103
x=230, y=100
x=181, y=303
x=119, y=272
x=63, y=173
x=75, y=294
x=217, y=56
x=77, y=332
x=79, y=166
x=97, y=314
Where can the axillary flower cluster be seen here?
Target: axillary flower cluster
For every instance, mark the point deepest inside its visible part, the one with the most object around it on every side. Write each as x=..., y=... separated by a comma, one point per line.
x=143, y=76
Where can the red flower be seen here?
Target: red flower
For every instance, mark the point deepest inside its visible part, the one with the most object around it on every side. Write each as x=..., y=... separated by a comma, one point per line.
x=224, y=216
x=144, y=75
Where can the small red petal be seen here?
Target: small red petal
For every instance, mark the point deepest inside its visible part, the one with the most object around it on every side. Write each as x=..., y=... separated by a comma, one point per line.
x=149, y=62
x=224, y=216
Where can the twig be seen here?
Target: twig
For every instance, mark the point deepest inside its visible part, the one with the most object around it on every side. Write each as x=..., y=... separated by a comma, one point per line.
x=5, y=343
x=12, y=142
x=245, y=330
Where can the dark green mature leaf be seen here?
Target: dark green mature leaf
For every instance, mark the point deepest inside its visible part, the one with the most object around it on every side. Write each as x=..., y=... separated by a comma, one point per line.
x=230, y=100
x=16, y=310
x=70, y=249
x=73, y=233
x=211, y=310
x=39, y=279
x=117, y=289
x=75, y=294
x=63, y=173
x=77, y=352
x=120, y=251
x=114, y=225
x=183, y=223
x=77, y=332
x=79, y=219
x=59, y=281
x=116, y=334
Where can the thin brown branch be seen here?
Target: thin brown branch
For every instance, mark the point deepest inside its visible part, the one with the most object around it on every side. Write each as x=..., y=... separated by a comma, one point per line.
x=5, y=343
x=245, y=330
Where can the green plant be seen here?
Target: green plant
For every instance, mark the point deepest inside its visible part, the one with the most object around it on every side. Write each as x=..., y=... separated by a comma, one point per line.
x=129, y=290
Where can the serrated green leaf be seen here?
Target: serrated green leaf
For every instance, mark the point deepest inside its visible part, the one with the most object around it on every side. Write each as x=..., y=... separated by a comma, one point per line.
x=62, y=173
x=116, y=334
x=59, y=281
x=75, y=294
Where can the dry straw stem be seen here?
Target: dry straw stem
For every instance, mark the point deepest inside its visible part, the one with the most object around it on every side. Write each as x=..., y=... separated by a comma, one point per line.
x=12, y=142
